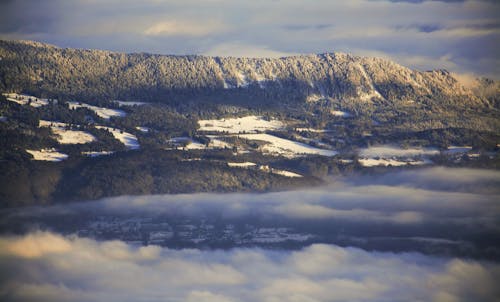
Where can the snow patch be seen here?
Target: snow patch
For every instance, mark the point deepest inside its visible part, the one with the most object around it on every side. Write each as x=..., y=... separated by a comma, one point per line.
x=372, y=162
x=285, y=173
x=340, y=113
x=142, y=129
x=66, y=136
x=458, y=149
x=105, y=113
x=388, y=151
x=47, y=155
x=250, y=124
x=188, y=143
x=24, y=99
x=216, y=143
x=129, y=103
x=373, y=93
x=129, y=140
x=312, y=98
x=285, y=147
x=97, y=153
x=312, y=130
x=241, y=165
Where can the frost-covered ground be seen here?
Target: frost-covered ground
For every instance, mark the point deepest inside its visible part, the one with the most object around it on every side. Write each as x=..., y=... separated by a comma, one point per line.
x=247, y=124
x=105, y=113
x=67, y=136
x=280, y=146
x=24, y=99
x=47, y=155
x=129, y=140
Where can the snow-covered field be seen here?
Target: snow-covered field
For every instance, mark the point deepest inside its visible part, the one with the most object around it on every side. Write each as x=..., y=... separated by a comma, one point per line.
x=129, y=103
x=372, y=162
x=263, y=168
x=187, y=143
x=312, y=130
x=395, y=156
x=285, y=173
x=67, y=136
x=217, y=143
x=24, y=99
x=47, y=155
x=129, y=140
x=280, y=146
x=250, y=124
x=105, y=113
x=97, y=153
x=458, y=149
x=340, y=113
x=388, y=151
x=241, y=165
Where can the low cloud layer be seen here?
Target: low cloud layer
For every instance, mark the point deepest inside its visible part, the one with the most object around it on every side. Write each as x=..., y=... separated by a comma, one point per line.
x=441, y=211
x=451, y=213
x=79, y=269
x=461, y=36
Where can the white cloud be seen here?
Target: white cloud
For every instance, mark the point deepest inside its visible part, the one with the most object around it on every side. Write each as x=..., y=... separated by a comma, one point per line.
x=85, y=272
x=237, y=49
x=184, y=27
x=457, y=35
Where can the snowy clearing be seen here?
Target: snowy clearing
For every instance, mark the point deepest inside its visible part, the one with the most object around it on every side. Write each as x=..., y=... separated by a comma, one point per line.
x=312, y=130
x=458, y=149
x=187, y=143
x=312, y=98
x=371, y=162
x=129, y=140
x=105, y=113
x=129, y=103
x=242, y=165
x=47, y=155
x=250, y=124
x=67, y=136
x=97, y=153
x=285, y=173
x=388, y=151
x=24, y=99
x=217, y=143
x=340, y=113
x=285, y=147
x=142, y=129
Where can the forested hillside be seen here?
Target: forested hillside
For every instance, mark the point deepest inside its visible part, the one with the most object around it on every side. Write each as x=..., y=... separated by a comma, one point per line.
x=373, y=87
x=85, y=124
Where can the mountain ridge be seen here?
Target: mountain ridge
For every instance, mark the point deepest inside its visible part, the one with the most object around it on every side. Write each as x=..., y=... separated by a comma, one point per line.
x=334, y=75
x=304, y=85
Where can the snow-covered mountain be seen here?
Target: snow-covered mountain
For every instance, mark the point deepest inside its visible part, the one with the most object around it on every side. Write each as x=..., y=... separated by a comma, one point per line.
x=43, y=68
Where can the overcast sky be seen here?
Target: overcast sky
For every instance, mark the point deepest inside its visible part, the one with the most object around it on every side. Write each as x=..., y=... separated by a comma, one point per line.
x=461, y=36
